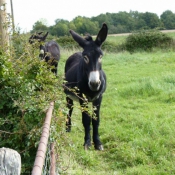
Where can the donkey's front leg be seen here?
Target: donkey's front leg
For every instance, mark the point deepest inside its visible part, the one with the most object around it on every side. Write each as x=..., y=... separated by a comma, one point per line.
x=95, y=122
x=86, y=120
x=70, y=107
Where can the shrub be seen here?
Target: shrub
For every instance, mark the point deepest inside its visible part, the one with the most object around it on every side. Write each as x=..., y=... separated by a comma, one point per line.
x=110, y=46
x=147, y=40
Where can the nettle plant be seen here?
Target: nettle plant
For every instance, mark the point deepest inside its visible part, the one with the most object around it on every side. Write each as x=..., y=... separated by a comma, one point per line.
x=27, y=86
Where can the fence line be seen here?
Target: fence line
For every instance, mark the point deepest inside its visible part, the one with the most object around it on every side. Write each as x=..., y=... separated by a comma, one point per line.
x=40, y=156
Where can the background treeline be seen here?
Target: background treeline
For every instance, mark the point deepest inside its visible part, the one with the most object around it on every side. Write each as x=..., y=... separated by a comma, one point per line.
x=122, y=22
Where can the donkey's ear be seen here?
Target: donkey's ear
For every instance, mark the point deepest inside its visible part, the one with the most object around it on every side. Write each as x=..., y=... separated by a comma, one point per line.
x=31, y=39
x=39, y=33
x=101, y=37
x=81, y=41
x=45, y=36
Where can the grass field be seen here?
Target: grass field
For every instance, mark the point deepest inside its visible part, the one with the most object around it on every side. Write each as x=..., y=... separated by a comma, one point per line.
x=137, y=119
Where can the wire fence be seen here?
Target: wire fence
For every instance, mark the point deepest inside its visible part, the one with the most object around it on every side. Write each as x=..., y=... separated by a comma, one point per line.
x=49, y=167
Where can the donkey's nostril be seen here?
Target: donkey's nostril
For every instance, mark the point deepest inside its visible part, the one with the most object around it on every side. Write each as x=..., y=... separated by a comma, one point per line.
x=94, y=85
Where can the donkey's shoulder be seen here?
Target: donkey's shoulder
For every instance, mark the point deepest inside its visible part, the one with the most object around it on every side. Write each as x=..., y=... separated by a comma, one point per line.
x=73, y=60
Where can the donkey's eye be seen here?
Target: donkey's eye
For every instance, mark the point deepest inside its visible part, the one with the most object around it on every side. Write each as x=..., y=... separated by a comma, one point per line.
x=86, y=59
x=100, y=59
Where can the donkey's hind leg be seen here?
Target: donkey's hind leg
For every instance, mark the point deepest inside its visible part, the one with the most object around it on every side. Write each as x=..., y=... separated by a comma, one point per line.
x=70, y=107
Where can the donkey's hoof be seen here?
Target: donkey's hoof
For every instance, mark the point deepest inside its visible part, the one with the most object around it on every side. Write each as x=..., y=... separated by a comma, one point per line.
x=99, y=147
x=68, y=129
x=87, y=146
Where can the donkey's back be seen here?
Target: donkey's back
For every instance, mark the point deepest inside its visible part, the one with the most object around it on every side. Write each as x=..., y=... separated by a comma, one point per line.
x=53, y=48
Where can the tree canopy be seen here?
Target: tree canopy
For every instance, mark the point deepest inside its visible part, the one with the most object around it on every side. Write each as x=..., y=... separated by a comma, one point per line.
x=121, y=22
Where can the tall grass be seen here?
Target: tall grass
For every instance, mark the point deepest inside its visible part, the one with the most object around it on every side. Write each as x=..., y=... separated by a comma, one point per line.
x=137, y=119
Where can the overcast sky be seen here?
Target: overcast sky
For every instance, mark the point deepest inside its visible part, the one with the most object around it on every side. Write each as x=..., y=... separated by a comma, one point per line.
x=27, y=12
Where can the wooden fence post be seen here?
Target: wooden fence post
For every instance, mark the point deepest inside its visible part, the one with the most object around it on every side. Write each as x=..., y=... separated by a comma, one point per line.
x=10, y=162
x=4, y=38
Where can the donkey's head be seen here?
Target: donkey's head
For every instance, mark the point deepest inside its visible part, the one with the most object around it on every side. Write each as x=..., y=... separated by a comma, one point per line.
x=92, y=56
x=39, y=38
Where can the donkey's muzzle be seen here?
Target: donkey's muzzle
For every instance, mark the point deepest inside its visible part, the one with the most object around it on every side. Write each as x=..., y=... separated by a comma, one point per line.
x=94, y=85
x=94, y=80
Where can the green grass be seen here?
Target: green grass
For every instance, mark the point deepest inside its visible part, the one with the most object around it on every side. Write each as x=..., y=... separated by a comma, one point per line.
x=171, y=34
x=137, y=119
x=117, y=39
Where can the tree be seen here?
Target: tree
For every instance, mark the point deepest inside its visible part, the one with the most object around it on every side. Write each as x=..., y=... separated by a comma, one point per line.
x=168, y=19
x=151, y=19
x=123, y=22
x=72, y=26
x=138, y=22
x=60, y=28
x=39, y=26
x=85, y=25
x=102, y=18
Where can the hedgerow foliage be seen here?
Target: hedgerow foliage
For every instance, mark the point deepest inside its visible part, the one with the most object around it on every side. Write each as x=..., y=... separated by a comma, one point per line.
x=147, y=40
x=144, y=40
x=67, y=42
x=26, y=89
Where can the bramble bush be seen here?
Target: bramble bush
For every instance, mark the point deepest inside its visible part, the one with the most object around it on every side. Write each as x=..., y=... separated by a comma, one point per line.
x=27, y=87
